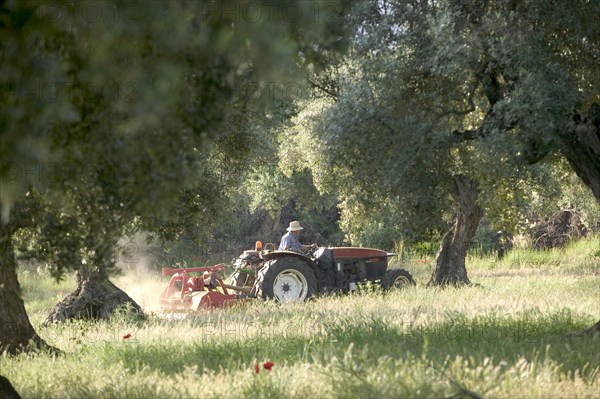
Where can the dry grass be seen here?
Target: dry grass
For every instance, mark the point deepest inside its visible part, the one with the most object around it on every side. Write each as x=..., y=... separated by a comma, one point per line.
x=507, y=336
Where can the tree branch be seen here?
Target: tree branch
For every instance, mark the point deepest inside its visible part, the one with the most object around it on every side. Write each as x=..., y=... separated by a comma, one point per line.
x=580, y=145
x=466, y=135
x=331, y=92
x=442, y=111
x=490, y=120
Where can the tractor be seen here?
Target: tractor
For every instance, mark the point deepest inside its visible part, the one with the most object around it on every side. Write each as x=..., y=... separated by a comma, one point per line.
x=282, y=276
x=287, y=276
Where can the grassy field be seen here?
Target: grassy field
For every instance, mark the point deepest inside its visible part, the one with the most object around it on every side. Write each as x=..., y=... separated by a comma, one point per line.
x=505, y=336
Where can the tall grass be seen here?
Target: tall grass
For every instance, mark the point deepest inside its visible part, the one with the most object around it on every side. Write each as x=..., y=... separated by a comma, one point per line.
x=507, y=336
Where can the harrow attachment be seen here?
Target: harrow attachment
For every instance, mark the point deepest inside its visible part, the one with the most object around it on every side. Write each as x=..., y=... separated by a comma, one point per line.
x=187, y=291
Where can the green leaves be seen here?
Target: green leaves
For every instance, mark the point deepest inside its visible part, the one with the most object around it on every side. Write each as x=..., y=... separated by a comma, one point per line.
x=139, y=115
x=499, y=75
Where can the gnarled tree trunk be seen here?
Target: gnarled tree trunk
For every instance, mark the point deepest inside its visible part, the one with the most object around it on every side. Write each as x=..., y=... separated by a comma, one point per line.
x=581, y=147
x=95, y=297
x=450, y=260
x=16, y=332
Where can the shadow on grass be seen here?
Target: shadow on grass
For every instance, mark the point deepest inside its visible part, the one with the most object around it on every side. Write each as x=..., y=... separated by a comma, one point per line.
x=529, y=335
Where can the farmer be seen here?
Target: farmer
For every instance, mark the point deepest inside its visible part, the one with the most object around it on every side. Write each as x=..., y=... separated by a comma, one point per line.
x=289, y=241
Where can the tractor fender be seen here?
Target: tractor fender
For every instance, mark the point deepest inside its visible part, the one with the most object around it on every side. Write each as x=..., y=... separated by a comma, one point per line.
x=286, y=254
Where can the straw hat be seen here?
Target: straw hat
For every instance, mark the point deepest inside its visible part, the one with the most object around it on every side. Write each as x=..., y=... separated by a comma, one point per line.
x=295, y=226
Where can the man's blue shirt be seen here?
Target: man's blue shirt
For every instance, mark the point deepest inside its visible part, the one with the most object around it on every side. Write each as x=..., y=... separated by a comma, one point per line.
x=289, y=242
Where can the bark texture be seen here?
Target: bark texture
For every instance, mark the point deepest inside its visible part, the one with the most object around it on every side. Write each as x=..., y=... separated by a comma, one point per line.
x=450, y=259
x=581, y=147
x=16, y=332
x=7, y=391
x=95, y=297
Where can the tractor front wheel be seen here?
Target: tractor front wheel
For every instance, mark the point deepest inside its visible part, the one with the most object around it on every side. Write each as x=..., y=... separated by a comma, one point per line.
x=287, y=280
x=396, y=278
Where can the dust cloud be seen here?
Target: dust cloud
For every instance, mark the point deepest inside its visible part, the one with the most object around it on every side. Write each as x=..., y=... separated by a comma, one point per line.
x=140, y=266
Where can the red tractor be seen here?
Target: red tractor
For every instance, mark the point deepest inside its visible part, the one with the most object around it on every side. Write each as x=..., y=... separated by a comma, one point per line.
x=287, y=276
x=283, y=276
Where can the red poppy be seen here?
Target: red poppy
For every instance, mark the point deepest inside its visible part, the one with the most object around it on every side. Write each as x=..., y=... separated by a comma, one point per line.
x=127, y=336
x=257, y=368
x=268, y=365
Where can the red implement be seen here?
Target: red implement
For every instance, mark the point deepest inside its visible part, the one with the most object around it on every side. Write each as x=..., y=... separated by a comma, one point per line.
x=192, y=292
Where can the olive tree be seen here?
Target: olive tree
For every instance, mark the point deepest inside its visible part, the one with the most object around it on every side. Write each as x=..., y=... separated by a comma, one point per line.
x=442, y=107
x=130, y=117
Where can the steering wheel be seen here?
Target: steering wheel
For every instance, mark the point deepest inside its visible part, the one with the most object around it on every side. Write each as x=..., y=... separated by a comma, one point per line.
x=311, y=250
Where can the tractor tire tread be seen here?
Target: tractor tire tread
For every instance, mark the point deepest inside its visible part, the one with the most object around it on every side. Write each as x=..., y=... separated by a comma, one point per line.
x=390, y=276
x=266, y=276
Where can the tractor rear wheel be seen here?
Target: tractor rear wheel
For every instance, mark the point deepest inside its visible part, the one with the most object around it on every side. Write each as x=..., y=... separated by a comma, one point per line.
x=287, y=279
x=396, y=278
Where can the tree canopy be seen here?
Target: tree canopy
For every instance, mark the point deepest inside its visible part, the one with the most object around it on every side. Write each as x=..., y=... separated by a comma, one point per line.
x=430, y=90
x=138, y=112
x=408, y=117
x=119, y=116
